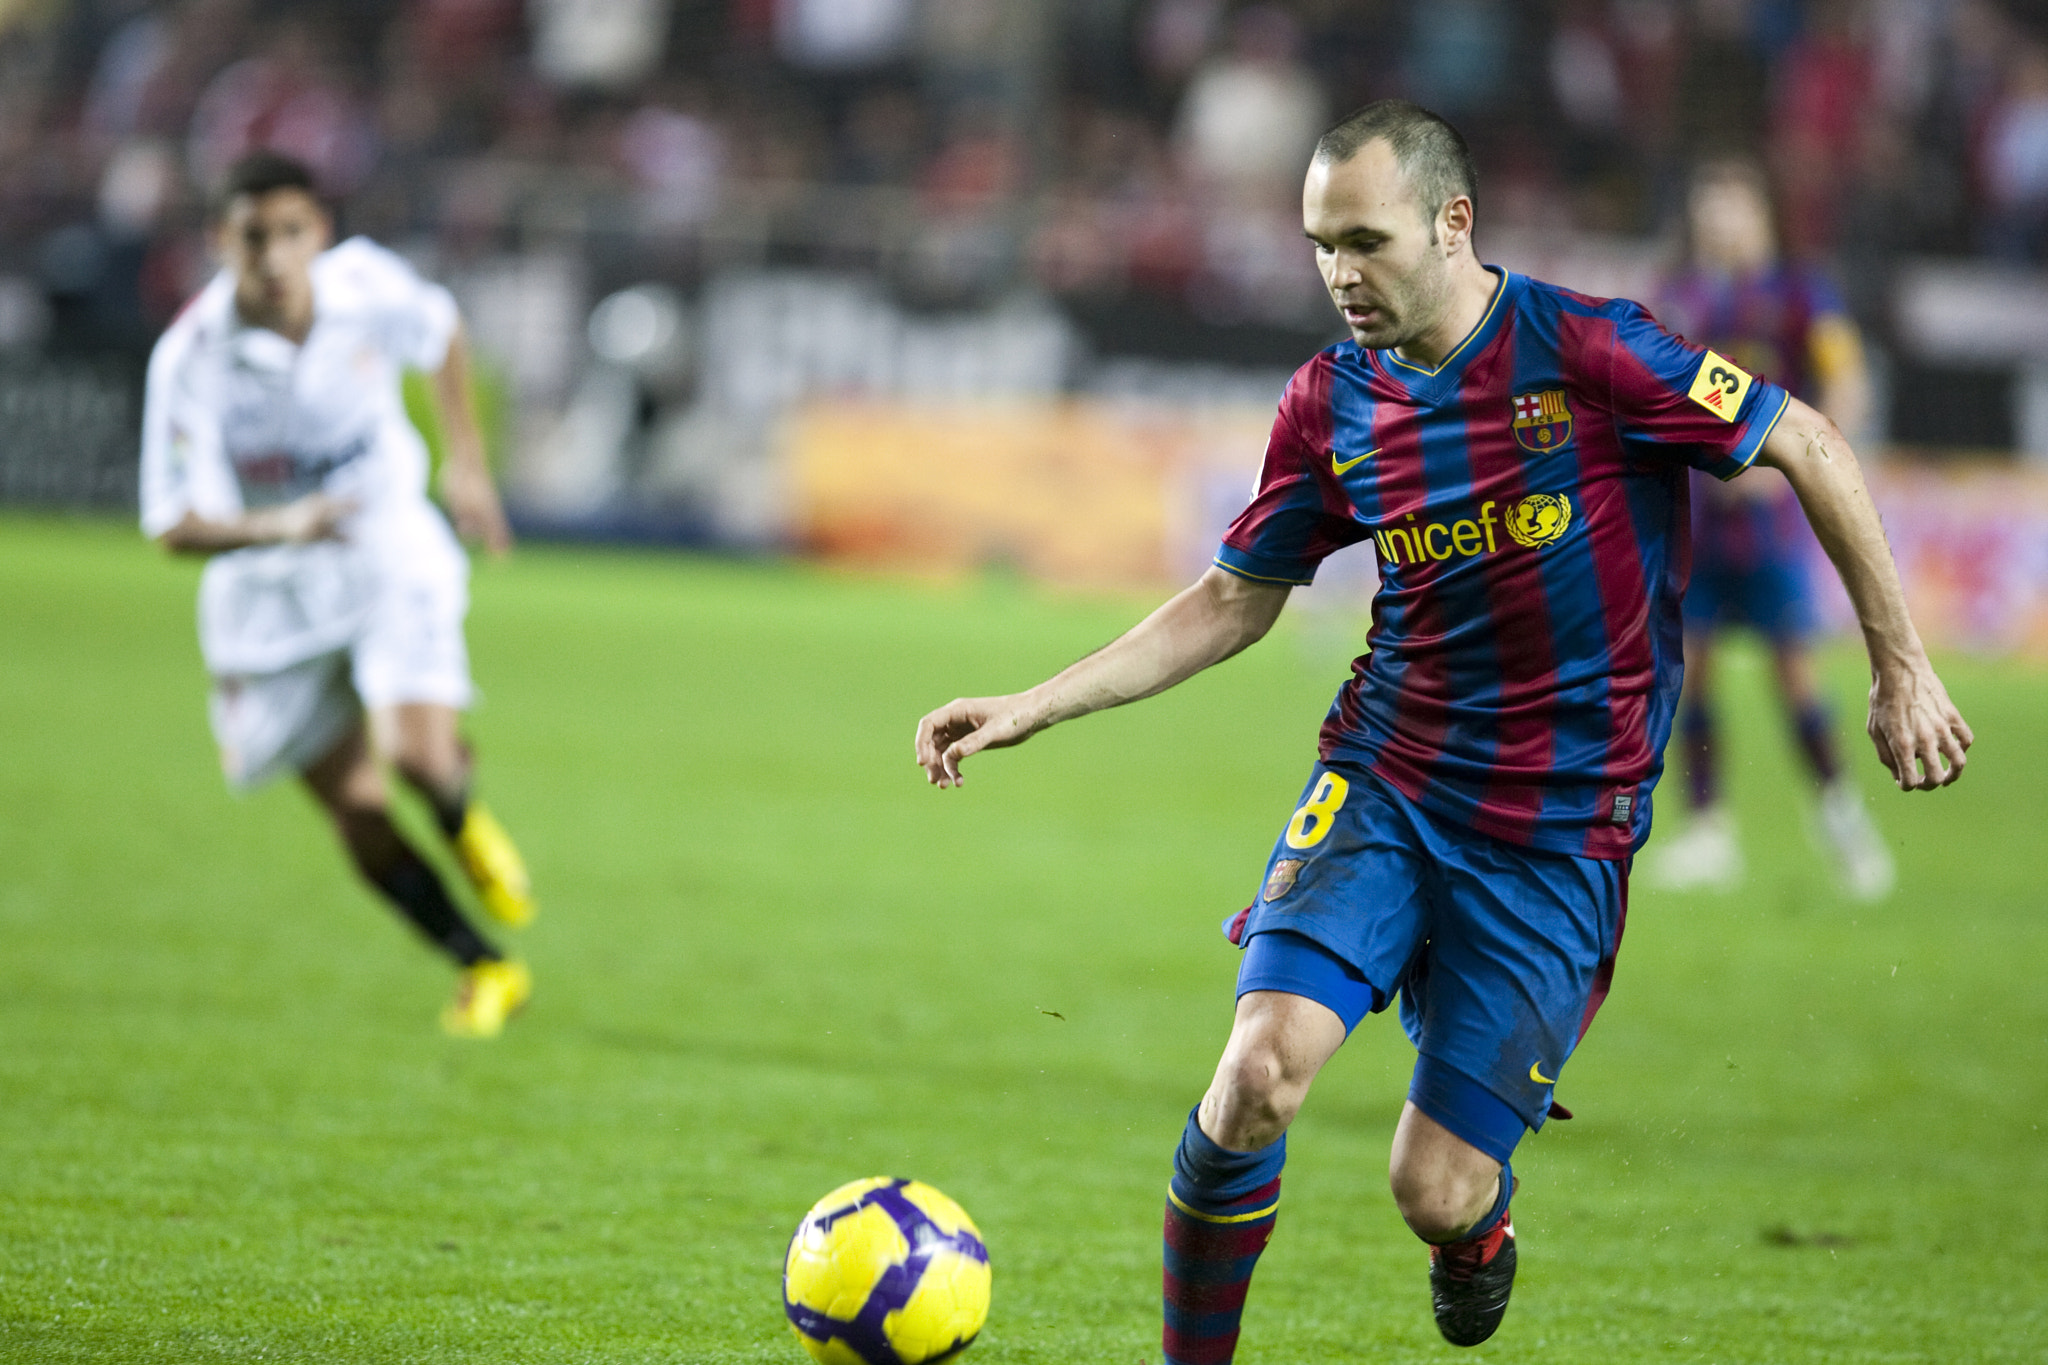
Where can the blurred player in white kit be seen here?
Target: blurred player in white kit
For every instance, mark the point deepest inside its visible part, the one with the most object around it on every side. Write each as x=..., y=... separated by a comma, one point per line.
x=276, y=442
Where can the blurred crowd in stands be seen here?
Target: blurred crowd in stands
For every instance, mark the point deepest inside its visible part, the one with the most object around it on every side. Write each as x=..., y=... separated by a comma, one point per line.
x=1113, y=153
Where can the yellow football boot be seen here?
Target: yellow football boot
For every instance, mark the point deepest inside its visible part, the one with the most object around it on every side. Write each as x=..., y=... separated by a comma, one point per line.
x=486, y=995
x=495, y=868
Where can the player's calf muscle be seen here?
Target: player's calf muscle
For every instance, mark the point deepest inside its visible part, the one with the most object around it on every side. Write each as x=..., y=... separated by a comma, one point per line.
x=1442, y=1205
x=1441, y=1183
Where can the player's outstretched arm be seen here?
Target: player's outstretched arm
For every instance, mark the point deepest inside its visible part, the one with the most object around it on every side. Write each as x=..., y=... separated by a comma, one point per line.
x=465, y=478
x=1919, y=734
x=1203, y=624
x=311, y=518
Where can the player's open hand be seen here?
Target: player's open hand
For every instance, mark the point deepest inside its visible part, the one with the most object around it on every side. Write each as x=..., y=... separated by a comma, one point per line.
x=960, y=729
x=1918, y=732
x=473, y=506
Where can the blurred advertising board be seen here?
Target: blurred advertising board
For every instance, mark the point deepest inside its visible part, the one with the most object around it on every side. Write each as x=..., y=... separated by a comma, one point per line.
x=1971, y=541
x=1104, y=494
x=1080, y=493
x=68, y=431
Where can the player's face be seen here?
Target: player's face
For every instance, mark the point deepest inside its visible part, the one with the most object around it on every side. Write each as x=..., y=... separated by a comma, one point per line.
x=1731, y=224
x=269, y=242
x=1386, y=266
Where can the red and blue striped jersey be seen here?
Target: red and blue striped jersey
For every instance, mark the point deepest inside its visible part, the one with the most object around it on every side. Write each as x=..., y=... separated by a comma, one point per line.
x=1527, y=499
x=1789, y=322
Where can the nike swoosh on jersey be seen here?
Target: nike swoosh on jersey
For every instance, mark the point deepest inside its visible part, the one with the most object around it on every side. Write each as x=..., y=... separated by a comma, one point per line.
x=1342, y=467
x=1538, y=1077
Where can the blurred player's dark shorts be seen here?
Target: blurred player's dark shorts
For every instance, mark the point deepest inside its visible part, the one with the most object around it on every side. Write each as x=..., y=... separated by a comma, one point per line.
x=1774, y=598
x=1500, y=954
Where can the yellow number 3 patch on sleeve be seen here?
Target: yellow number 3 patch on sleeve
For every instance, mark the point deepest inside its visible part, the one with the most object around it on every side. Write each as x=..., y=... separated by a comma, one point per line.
x=1720, y=387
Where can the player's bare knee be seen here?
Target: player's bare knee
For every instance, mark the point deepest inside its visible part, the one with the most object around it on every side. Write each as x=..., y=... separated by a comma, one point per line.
x=358, y=794
x=1244, y=1122
x=430, y=766
x=424, y=744
x=358, y=805
x=1253, y=1098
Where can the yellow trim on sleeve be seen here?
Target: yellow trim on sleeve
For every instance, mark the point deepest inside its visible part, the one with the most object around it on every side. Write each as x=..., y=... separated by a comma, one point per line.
x=1259, y=577
x=1180, y=1204
x=1757, y=447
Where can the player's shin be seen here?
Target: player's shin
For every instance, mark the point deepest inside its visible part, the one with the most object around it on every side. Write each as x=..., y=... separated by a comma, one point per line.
x=1220, y=1210
x=416, y=890
x=451, y=807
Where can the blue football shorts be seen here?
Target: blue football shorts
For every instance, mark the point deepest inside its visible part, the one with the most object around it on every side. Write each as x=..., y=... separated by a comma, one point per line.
x=1500, y=954
x=1773, y=598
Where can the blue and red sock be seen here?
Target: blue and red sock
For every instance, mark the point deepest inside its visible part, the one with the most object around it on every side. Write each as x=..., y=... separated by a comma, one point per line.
x=1702, y=773
x=1814, y=727
x=1220, y=1210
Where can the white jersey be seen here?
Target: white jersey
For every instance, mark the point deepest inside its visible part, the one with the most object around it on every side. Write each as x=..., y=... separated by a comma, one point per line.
x=236, y=417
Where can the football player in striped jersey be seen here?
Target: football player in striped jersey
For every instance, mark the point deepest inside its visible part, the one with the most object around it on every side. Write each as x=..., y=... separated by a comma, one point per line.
x=1484, y=777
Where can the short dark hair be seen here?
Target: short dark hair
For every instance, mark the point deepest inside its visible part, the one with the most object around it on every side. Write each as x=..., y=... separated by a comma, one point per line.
x=263, y=172
x=1430, y=152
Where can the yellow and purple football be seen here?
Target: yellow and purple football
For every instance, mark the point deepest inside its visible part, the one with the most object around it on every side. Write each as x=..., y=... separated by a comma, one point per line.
x=886, y=1272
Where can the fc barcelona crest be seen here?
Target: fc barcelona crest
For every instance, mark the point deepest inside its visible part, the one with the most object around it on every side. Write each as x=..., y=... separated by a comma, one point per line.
x=1542, y=421
x=1280, y=880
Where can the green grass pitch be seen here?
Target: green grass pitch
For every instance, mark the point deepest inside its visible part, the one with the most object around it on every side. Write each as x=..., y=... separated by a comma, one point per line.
x=770, y=959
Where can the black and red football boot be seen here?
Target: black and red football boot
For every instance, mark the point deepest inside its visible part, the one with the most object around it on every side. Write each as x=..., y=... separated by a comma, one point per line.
x=1469, y=1282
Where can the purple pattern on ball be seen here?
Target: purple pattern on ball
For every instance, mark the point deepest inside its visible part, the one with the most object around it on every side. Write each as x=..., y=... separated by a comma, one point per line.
x=865, y=1332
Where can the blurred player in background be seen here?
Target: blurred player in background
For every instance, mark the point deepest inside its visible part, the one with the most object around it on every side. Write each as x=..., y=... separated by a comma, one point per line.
x=1517, y=455
x=1751, y=546
x=275, y=441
